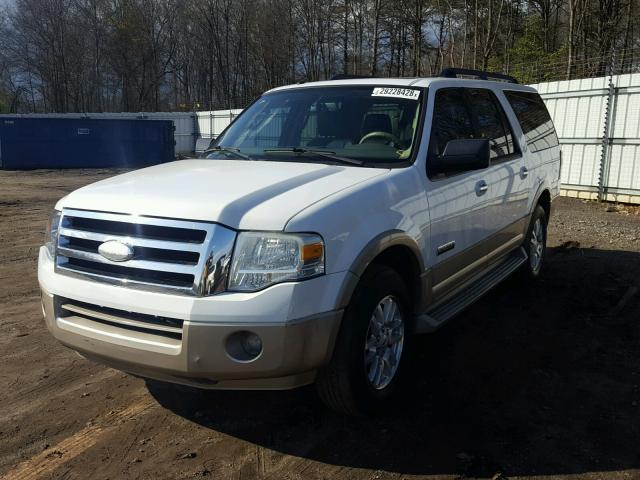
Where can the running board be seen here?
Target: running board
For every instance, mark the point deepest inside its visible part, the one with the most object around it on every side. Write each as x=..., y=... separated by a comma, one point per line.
x=443, y=311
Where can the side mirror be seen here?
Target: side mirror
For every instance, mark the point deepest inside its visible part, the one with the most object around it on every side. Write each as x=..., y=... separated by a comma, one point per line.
x=462, y=155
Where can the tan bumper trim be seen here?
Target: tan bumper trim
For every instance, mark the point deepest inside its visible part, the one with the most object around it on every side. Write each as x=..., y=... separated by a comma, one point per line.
x=291, y=354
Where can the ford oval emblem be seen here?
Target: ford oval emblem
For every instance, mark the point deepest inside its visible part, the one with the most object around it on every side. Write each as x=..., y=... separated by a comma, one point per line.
x=116, y=251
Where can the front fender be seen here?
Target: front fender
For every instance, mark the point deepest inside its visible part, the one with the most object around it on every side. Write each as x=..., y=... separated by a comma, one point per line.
x=359, y=223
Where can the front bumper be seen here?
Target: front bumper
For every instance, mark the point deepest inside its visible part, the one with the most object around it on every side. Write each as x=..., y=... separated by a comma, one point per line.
x=297, y=322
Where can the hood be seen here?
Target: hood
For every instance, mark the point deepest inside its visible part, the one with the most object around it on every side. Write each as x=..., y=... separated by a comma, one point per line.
x=257, y=195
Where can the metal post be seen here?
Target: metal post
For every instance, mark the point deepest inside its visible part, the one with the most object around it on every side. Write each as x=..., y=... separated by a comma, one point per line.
x=605, y=154
x=194, y=125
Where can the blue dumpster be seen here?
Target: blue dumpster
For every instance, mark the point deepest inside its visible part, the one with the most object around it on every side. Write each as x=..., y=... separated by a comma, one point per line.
x=28, y=143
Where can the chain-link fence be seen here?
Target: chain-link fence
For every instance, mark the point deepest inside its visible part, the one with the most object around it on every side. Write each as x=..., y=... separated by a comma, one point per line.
x=618, y=61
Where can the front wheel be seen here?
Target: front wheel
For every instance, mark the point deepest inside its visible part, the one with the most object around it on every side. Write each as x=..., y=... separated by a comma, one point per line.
x=364, y=373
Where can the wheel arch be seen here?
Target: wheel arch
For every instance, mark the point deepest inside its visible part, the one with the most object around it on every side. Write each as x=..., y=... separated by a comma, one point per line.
x=397, y=250
x=544, y=200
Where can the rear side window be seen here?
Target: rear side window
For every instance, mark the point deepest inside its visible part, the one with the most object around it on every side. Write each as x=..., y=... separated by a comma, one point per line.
x=490, y=122
x=534, y=119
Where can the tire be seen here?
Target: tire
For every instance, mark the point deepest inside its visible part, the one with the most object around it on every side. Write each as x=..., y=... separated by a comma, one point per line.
x=535, y=244
x=346, y=384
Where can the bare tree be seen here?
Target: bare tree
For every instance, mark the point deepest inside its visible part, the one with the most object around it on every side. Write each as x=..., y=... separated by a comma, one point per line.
x=101, y=55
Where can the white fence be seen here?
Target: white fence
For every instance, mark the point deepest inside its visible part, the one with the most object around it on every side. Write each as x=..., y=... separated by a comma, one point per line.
x=212, y=123
x=598, y=122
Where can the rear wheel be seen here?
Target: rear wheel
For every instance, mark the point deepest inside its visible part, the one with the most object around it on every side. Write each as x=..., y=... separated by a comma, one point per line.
x=364, y=373
x=535, y=243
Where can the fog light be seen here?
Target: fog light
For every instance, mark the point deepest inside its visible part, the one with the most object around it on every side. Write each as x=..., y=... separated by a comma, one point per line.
x=244, y=346
x=251, y=344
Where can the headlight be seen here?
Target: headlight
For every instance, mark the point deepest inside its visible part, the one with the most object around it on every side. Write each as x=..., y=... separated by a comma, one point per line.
x=51, y=235
x=261, y=259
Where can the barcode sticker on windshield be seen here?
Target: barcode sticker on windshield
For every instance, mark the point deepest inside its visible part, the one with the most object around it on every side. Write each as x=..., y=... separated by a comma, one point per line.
x=409, y=93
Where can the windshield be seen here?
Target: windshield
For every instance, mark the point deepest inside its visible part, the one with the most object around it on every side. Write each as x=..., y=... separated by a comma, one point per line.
x=366, y=123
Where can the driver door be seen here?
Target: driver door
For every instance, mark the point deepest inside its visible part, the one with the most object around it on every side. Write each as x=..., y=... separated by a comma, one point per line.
x=458, y=203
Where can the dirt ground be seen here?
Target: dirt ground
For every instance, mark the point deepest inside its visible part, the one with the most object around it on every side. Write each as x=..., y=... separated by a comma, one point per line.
x=533, y=381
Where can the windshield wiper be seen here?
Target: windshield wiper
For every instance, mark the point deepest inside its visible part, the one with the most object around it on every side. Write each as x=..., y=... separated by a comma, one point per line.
x=220, y=148
x=319, y=153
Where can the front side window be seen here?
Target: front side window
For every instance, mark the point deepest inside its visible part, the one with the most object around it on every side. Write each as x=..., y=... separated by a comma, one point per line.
x=490, y=122
x=534, y=119
x=469, y=113
x=451, y=119
x=372, y=125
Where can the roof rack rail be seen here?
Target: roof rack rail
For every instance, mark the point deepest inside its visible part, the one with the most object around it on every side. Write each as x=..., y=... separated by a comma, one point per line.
x=482, y=75
x=346, y=76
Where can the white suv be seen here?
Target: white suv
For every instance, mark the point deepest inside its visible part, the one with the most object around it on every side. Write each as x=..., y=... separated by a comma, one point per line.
x=328, y=225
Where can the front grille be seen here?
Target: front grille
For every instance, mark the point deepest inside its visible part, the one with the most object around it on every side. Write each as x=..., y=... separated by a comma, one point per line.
x=127, y=229
x=168, y=254
x=134, y=322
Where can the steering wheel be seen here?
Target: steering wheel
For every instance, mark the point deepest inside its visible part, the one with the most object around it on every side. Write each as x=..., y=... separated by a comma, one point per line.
x=386, y=135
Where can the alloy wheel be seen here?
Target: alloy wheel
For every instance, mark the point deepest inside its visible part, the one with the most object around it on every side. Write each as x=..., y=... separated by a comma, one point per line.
x=384, y=343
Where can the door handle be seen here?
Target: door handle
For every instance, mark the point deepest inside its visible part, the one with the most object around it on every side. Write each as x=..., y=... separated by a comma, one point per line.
x=524, y=172
x=481, y=188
